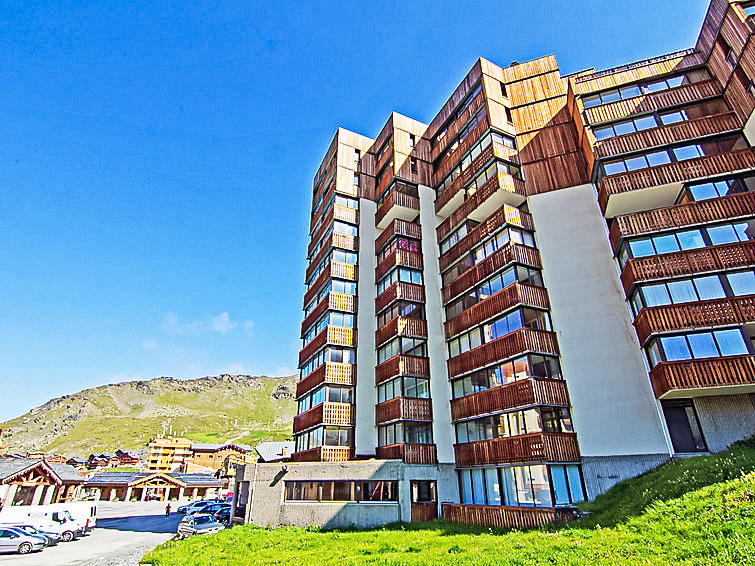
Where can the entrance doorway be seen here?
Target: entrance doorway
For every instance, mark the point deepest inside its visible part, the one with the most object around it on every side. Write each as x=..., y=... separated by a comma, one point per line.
x=683, y=426
x=424, y=500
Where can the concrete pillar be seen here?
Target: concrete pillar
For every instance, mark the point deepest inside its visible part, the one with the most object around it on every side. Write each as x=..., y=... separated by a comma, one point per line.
x=144, y=493
x=4, y=492
x=49, y=494
x=181, y=493
x=11, y=494
x=128, y=494
x=112, y=493
x=194, y=493
x=98, y=494
x=37, y=494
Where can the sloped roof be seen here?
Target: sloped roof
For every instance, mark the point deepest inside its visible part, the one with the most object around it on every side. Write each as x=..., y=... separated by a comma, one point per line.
x=66, y=473
x=12, y=467
x=198, y=479
x=212, y=447
x=272, y=451
x=126, y=478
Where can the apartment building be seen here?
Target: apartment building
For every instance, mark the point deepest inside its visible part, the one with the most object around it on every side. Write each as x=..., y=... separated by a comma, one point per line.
x=547, y=289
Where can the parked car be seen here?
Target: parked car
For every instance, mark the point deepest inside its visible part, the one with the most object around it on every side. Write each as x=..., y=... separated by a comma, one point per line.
x=223, y=516
x=210, y=509
x=13, y=540
x=47, y=518
x=200, y=524
x=194, y=506
x=52, y=538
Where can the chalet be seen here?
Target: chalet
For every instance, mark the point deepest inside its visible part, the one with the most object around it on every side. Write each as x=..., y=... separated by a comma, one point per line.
x=142, y=486
x=275, y=451
x=127, y=458
x=36, y=482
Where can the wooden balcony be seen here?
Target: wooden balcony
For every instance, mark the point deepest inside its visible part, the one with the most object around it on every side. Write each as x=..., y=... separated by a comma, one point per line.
x=340, y=414
x=730, y=375
x=537, y=447
x=404, y=408
x=398, y=257
x=494, y=193
x=329, y=372
x=519, y=518
x=657, y=186
x=343, y=270
x=682, y=215
x=665, y=135
x=345, y=214
x=689, y=262
x=400, y=326
x=400, y=291
x=678, y=96
x=514, y=294
x=324, y=454
x=332, y=301
x=397, y=204
x=397, y=228
x=400, y=364
x=343, y=241
x=509, y=253
x=409, y=453
x=522, y=393
x=506, y=215
x=317, y=284
x=336, y=335
x=458, y=123
x=697, y=315
x=519, y=342
x=446, y=163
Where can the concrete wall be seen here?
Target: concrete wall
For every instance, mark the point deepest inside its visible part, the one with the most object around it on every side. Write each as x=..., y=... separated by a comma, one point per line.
x=365, y=434
x=267, y=507
x=440, y=387
x=614, y=410
x=725, y=419
x=601, y=473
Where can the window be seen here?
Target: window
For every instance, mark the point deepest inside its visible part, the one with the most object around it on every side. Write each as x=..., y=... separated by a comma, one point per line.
x=506, y=324
x=412, y=141
x=403, y=309
x=413, y=165
x=522, y=367
x=362, y=491
x=631, y=91
x=699, y=345
x=466, y=161
x=515, y=423
x=509, y=118
x=415, y=387
x=357, y=155
x=402, y=345
x=400, y=274
x=405, y=432
x=356, y=179
x=503, y=90
x=713, y=189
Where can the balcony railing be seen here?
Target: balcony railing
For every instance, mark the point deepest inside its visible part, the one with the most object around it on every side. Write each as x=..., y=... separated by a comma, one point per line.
x=702, y=314
x=401, y=364
x=398, y=228
x=678, y=96
x=343, y=270
x=398, y=257
x=678, y=172
x=409, y=453
x=329, y=372
x=397, y=291
x=451, y=159
x=665, y=135
x=522, y=393
x=337, y=335
x=505, y=517
x=689, y=262
x=324, y=454
x=514, y=294
x=400, y=205
x=537, y=447
x=519, y=342
x=400, y=326
x=716, y=376
x=454, y=128
x=332, y=301
x=404, y=408
x=503, y=256
x=325, y=413
x=501, y=217
x=345, y=214
x=682, y=215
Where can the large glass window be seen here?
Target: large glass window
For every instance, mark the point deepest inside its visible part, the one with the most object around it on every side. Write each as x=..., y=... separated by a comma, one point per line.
x=506, y=324
x=631, y=91
x=522, y=367
x=399, y=274
x=361, y=490
x=698, y=345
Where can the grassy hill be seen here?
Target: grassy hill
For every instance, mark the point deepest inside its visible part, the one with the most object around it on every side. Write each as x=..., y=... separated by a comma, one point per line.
x=692, y=511
x=241, y=408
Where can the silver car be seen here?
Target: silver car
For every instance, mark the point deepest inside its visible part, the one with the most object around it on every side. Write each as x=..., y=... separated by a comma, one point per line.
x=14, y=540
x=200, y=524
x=52, y=538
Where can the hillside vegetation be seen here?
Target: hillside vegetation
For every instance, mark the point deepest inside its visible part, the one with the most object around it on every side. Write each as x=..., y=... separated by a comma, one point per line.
x=694, y=511
x=241, y=408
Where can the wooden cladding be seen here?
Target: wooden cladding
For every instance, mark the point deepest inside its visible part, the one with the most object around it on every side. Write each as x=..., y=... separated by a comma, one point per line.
x=343, y=270
x=451, y=159
x=682, y=379
x=687, y=214
x=404, y=408
x=329, y=372
x=344, y=241
x=401, y=364
x=537, y=447
x=519, y=342
x=424, y=511
x=677, y=172
x=324, y=454
x=499, y=182
x=325, y=413
x=503, y=216
x=395, y=198
x=398, y=257
x=336, y=335
x=505, y=517
x=458, y=123
x=521, y=393
x=509, y=253
x=701, y=314
x=673, y=133
x=514, y=294
x=409, y=453
x=400, y=326
x=689, y=262
x=399, y=291
x=686, y=94
x=398, y=228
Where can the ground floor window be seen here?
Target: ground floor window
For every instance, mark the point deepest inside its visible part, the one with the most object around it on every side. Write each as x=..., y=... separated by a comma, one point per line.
x=341, y=491
x=522, y=486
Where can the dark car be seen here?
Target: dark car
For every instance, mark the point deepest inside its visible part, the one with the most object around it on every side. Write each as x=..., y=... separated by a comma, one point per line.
x=223, y=516
x=194, y=507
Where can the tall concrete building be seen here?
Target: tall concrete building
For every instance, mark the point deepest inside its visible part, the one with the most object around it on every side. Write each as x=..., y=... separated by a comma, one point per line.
x=544, y=291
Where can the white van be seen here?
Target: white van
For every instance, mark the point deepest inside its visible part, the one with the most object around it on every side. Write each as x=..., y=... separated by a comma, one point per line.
x=44, y=518
x=83, y=512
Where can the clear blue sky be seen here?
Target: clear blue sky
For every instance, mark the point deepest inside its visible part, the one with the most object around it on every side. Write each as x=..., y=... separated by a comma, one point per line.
x=156, y=161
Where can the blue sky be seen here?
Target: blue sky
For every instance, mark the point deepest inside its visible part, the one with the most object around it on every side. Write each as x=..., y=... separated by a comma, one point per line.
x=156, y=161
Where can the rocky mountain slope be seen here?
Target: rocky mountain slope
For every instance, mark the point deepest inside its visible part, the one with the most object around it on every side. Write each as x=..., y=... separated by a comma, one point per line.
x=241, y=408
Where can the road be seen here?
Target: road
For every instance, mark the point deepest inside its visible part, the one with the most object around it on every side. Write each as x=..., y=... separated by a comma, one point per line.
x=124, y=533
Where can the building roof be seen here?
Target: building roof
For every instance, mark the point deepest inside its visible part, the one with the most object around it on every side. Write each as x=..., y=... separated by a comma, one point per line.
x=272, y=451
x=77, y=460
x=66, y=472
x=131, y=478
x=10, y=468
x=201, y=446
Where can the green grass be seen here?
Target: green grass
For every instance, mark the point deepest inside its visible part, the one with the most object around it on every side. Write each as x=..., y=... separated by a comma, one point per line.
x=695, y=511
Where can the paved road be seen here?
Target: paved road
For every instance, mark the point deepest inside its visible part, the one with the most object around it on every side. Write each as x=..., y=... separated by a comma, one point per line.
x=124, y=533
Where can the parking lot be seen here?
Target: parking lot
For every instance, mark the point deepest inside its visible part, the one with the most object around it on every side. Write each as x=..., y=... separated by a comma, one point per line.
x=124, y=533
